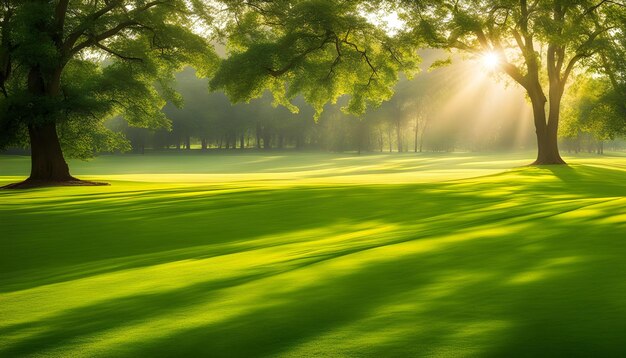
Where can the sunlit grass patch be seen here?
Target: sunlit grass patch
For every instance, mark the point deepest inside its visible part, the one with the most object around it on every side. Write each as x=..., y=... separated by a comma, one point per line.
x=379, y=255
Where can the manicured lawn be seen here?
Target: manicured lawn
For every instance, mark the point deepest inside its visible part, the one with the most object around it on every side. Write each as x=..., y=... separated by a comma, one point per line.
x=299, y=255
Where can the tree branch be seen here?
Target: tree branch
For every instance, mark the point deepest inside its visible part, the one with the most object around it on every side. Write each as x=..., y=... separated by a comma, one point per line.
x=92, y=40
x=69, y=47
x=294, y=61
x=115, y=53
x=80, y=30
x=570, y=66
x=59, y=15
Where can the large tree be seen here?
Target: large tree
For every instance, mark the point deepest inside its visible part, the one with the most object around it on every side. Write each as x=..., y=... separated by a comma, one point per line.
x=538, y=43
x=76, y=62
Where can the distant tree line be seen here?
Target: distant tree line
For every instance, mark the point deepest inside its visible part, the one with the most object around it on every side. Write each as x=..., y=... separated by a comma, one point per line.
x=67, y=66
x=411, y=121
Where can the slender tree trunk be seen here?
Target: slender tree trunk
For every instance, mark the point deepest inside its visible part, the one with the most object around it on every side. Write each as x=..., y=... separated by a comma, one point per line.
x=415, y=134
x=359, y=138
x=242, y=141
x=258, y=133
x=422, y=134
x=399, y=134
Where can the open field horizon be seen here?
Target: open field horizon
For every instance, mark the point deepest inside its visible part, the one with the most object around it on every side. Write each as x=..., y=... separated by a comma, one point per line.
x=311, y=254
x=284, y=166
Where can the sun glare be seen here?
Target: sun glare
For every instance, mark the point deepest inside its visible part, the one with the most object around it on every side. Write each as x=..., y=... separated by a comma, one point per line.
x=490, y=60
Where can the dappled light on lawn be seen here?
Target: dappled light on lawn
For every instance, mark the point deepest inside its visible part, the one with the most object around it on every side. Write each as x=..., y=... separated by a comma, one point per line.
x=301, y=263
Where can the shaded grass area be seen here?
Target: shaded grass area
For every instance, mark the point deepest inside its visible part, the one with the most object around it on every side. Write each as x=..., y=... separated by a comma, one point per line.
x=523, y=262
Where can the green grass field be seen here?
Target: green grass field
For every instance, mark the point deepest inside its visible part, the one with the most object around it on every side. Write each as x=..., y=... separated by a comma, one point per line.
x=301, y=255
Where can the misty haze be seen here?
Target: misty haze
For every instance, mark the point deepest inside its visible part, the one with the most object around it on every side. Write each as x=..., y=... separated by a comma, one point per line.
x=312, y=178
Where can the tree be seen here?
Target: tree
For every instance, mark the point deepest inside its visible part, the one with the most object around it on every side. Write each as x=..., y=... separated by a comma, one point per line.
x=319, y=49
x=538, y=44
x=594, y=110
x=72, y=61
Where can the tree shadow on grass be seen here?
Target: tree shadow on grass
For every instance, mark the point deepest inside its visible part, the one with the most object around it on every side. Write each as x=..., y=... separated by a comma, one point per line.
x=532, y=282
x=525, y=292
x=155, y=224
x=527, y=302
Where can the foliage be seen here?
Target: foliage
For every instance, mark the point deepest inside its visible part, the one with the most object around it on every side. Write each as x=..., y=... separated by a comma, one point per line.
x=539, y=44
x=95, y=60
x=594, y=107
x=320, y=49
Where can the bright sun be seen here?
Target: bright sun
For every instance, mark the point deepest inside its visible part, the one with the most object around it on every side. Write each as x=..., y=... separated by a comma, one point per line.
x=490, y=60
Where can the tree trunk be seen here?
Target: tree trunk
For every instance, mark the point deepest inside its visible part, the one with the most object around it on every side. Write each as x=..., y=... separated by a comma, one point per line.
x=416, y=132
x=359, y=140
x=546, y=131
x=425, y=125
x=258, y=133
x=48, y=166
x=399, y=134
x=47, y=161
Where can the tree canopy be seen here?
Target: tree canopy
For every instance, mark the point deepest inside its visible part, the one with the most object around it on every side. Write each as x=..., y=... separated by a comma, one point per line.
x=66, y=65
x=72, y=63
x=320, y=49
x=538, y=44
